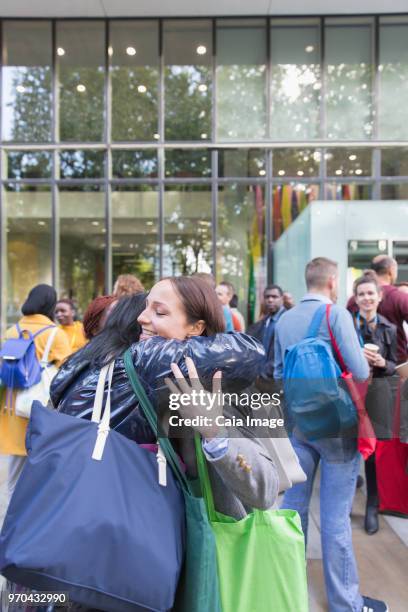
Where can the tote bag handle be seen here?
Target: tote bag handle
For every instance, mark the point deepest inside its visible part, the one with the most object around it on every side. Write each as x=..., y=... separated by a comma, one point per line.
x=151, y=417
x=204, y=479
x=103, y=421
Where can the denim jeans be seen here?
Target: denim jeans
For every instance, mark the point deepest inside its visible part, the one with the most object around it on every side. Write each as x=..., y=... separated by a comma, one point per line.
x=337, y=489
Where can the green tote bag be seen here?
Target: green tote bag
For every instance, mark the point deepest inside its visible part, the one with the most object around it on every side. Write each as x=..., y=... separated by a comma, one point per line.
x=261, y=558
x=198, y=589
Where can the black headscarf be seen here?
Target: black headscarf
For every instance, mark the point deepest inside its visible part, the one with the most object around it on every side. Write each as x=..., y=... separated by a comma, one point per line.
x=41, y=300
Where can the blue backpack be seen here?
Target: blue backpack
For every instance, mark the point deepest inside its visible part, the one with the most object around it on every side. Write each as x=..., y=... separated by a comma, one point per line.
x=20, y=368
x=317, y=404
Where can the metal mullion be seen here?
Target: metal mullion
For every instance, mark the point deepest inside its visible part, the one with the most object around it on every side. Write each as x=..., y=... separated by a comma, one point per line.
x=376, y=173
x=268, y=78
x=161, y=118
x=214, y=118
x=80, y=182
x=323, y=173
x=55, y=85
x=214, y=208
x=269, y=218
x=55, y=223
x=160, y=150
x=242, y=180
x=108, y=165
x=161, y=210
x=322, y=113
x=376, y=76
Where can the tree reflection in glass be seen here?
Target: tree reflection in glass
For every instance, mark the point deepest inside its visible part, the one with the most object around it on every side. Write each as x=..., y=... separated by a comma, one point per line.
x=134, y=49
x=26, y=83
x=295, y=79
x=241, y=86
x=188, y=80
x=349, y=105
x=81, y=57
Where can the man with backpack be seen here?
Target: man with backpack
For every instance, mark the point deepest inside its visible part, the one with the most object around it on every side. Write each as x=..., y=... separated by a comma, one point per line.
x=323, y=419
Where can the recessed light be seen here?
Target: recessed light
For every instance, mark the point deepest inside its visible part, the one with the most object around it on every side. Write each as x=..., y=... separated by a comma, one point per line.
x=110, y=51
x=156, y=136
x=60, y=51
x=309, y=49
x=262, y=172
x=41, y=223
x=300, y=173
x=338, y=172
x=141, y=88
x=96, y=223
x=81, y=88
x=204, y=136
x=352, y=157
x=131, y=51
x=20, y=88
x=201, y=50
x=202, y=87
x=359, y=171
x=149, y=222
x=281, y=173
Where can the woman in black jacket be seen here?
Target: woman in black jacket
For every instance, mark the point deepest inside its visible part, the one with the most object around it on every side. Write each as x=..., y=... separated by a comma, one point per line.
x=374, y=329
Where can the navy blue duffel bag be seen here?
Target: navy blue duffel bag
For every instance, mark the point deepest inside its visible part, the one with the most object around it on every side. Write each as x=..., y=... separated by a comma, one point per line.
x=89, y=518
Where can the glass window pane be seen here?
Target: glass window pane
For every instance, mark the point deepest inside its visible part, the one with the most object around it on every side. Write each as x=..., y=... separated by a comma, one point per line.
x=82, y=243
x=28, y=164
x=27, y=58
x=393, y=76
x=241, y=86
x=188, y=163
x=187, y=79
x=29, y=261
x=295, y=79
x=134, y=50
x=134, y=164
x=81, y=59
x=348, y=191
x=288, y=202
x=187, y=229
x=296, y=162
x=348, y=162
x=349, y=102
x=241, y=229
x=82, y=164
x=394, y=191
x=241, y=163
x=394, y=162
x=400, y=252
x=135, y=232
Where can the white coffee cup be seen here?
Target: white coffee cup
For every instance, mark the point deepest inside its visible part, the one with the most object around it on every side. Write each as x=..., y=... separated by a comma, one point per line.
x=373, y=348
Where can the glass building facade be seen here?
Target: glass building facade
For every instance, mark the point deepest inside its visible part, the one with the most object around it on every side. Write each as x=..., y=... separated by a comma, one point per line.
x=172, y=146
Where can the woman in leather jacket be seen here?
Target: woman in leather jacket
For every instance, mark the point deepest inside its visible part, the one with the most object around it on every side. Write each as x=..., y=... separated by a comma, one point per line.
x=372, y=328
x=181, y=318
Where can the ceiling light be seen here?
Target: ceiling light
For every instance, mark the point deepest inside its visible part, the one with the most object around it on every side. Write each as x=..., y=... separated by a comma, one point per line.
x=20, y=88
x=60, y=51
x=352, y=157
x=201, y=50
x=149, y=222
x=262, y=172
x=96, y=223
x=41, y=222
x=131, y=51
x=156, y=136
x=81, y=88
x=110, y=50
x=309, y=49
x=300, y=173
x=281, y=173
x=359, y=171
x=142, y=89
x=202, y=87
x=338, y=172
x=204, y=136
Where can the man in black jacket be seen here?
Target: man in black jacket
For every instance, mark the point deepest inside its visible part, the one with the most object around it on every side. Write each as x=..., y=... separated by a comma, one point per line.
x=264, y=329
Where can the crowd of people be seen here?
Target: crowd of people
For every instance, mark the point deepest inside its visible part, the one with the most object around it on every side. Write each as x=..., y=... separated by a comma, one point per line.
x=192, y=319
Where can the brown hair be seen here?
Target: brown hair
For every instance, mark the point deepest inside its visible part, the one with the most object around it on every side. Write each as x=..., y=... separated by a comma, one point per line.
x=229, y=286
x=366, y=278
x=200, y=302
x=207, y=277
x=127, y=284
x=94, y=314
x=318, y=271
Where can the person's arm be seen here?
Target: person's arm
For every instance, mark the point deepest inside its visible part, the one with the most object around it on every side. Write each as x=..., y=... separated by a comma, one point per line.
x=239, y=357
x=402, y=301
x=391, y=354
x=60, y=348
x=278, y=357
x=343, y=329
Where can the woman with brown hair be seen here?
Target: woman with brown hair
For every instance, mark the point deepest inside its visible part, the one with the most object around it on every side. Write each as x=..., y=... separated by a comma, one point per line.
x=127, y=284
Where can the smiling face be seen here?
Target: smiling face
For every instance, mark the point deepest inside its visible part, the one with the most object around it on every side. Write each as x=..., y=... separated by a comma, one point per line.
x=165, y=315
x=367, y=298
x=64, y=313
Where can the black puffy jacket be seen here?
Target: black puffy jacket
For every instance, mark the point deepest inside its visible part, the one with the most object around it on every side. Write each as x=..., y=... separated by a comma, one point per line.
x=238, y=356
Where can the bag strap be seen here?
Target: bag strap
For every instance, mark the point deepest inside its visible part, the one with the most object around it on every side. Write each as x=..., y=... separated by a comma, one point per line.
x=334, y=342
x=103, y=427
x=40, y=331
x=50, y=340
x=151, y=417
x=315, y=323
x=204, y=479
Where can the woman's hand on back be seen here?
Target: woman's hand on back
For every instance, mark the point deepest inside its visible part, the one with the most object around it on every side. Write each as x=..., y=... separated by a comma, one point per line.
x=195, y=401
